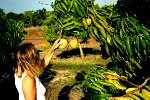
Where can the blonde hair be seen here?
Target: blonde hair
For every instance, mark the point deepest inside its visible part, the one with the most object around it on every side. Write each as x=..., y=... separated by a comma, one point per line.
x=28, y=60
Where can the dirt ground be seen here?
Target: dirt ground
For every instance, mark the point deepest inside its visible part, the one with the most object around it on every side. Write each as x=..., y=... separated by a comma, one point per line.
x=61, y=86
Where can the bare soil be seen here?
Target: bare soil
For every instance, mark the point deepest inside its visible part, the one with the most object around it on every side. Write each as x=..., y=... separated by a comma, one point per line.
x=60, y=85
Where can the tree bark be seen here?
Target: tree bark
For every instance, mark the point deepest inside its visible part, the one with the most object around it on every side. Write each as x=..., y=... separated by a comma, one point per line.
x=81, y=51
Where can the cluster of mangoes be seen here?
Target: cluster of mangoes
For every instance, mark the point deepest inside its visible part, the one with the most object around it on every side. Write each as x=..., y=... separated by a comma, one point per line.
x=73, y=43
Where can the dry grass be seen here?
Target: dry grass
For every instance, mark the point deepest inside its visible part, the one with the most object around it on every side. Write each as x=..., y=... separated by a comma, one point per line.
x=76, y=62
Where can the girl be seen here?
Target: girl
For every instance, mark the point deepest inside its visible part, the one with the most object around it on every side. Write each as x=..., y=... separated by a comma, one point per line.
x=29, y=67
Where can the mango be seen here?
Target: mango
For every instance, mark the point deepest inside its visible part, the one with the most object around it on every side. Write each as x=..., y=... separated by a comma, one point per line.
x=73, y=43
x=63, y=43
x=88, y=20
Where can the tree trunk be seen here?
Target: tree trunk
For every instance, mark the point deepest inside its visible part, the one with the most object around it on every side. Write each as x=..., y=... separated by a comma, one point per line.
x=81, y=51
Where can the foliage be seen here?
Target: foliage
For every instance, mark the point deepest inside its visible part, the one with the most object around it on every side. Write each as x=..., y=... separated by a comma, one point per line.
x=130, y=46
x=96, y=85
x=52, y=28
x=78, y=18
x=69, y=15
x=126, y=42
x=38, y=17
x=139, y=9
x=102, y=83
x=14, y=16
x=34, y=18
x=30, y=18
x=11, y=33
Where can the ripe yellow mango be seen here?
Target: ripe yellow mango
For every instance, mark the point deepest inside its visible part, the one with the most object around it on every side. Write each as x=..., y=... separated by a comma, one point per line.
x=63, y=43
x=73, y=43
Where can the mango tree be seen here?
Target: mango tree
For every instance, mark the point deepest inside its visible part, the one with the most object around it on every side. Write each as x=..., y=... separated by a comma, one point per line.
x=28, y=18
x=126, y=42
x=11, y=35
x=78, y=19
x=139, y=8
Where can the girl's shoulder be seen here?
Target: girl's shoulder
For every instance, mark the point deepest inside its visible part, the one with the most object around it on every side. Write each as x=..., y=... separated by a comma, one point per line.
x=27, y=78
x=28, y=82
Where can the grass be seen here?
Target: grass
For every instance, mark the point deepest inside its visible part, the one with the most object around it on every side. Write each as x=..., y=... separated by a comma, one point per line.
x=76, y=63
x=44, y=47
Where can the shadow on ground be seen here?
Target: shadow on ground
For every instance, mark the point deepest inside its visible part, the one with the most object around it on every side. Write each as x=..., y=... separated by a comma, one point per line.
x=76, y=52
x=65, y=93
x=47, y=75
